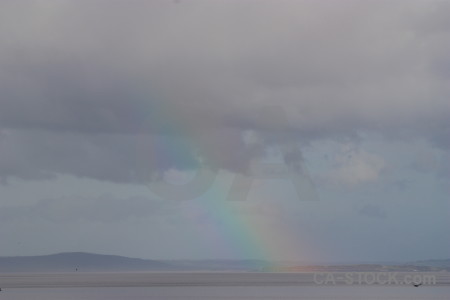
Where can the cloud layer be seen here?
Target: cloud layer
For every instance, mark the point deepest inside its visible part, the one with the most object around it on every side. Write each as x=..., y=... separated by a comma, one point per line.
x=87, y=88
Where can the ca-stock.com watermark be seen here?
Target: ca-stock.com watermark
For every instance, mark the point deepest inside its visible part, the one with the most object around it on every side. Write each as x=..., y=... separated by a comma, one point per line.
x=292, y=169
x=373, y=278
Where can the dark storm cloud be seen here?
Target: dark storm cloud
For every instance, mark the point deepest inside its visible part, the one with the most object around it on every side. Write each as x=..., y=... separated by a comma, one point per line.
x=39, y=154
x=83, y=85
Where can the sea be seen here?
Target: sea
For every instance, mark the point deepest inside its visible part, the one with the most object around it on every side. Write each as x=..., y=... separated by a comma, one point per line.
x=202, y=286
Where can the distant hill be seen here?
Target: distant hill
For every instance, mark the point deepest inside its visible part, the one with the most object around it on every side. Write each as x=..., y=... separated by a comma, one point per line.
x=68, y=262
x=438, y=263
x=88, y=262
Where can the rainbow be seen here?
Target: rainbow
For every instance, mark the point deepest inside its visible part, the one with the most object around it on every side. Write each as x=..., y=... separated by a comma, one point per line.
x=232, y=228
x=246, y=233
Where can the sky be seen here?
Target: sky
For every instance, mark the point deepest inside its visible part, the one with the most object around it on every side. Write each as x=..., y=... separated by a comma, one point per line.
x=309, y=131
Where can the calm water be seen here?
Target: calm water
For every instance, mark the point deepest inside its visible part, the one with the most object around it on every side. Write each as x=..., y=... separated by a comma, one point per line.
x=203, y=286
x=232, y=293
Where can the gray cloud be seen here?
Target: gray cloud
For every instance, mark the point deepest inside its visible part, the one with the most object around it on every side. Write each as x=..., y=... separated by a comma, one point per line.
x=85, y=85
x=104, y=209
x=372, y=211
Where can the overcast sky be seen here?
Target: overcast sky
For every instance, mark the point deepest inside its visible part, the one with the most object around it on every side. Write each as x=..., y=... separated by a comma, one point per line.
x=306, y=130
